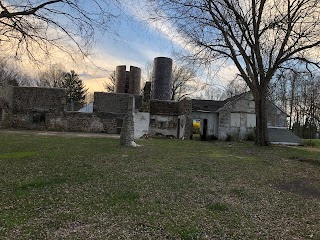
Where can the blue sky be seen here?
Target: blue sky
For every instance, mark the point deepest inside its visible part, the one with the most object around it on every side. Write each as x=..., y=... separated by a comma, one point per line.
x=132, y=41
x=138, y=42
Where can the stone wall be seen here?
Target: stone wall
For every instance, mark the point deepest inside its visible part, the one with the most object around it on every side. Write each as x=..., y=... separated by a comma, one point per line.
x=185, y=109
x=162, y=107
x=29, y=120
x=113, y=102
x=170, y=118
x=85, y=122
x=163, y=125
x=26, y=99
x=6, y=96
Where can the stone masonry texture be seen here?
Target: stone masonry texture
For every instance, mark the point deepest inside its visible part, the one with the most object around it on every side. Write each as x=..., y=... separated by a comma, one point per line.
x=162, y=78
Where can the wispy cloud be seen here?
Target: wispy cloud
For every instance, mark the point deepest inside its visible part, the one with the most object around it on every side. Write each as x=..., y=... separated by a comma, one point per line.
x=220, y=72
x=142, y=12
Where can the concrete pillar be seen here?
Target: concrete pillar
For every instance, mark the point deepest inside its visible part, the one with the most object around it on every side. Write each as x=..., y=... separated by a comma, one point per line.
x=127, y=130
x=162, y=78
x=135, y=80
x=120, y=79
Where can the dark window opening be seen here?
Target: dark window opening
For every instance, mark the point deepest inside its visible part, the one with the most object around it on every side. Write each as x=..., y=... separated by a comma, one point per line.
x=119, y=125
x=1, y=114
x=162, y=125
x=39, y=118
x=152, y=122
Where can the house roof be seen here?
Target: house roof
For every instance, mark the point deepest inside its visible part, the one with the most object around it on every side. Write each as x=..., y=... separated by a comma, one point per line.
x=206, y=105
x=232, y=99
x=283, y=136
x=211, y=105
x=236, y=97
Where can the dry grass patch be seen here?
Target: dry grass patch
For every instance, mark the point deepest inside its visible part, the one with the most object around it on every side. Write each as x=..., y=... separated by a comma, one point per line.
x=56, y=187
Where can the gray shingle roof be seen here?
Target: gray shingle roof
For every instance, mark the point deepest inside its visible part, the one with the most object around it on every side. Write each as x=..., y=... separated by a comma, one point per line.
x=283, y=136
x=206, y=105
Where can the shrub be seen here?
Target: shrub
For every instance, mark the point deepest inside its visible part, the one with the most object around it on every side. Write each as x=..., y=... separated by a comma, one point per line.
x=229, y=138
x=250, y=136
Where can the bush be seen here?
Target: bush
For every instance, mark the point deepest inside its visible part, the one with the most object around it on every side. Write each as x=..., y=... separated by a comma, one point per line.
x=229, y=138
x=250, y=136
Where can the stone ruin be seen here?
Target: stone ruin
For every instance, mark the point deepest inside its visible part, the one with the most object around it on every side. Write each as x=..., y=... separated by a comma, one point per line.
x=162, y=78
x=127, y=131
x=153, y=114
x=128, y=81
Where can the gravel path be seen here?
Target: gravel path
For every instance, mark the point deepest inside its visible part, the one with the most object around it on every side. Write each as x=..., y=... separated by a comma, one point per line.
x=65, y=134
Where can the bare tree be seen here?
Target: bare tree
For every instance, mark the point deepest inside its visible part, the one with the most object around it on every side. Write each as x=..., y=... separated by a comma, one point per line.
x=235, y=87
x=52, y=77
x=258, y=36
x=31, y=26
x=298, y=91
x=148, y=69
x=12, y=75
x=184, y=82
x=7, y=72
x=110, y=86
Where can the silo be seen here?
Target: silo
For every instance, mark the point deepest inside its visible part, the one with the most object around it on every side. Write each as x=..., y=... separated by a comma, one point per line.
x=135, y=80
x=120, y=79
x=162, y=78
x=126, y=88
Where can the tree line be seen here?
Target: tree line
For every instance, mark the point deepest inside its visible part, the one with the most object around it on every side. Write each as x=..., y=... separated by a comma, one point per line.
x=298, y=93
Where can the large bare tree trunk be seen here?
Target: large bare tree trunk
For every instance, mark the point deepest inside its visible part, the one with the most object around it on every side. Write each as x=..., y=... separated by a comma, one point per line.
x=262, y=138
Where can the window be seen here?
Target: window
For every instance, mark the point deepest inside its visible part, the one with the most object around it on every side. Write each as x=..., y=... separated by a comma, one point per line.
x=162, y=125
x=1, y=114
x=39, y=118
x=251, y=120
x=235, y=119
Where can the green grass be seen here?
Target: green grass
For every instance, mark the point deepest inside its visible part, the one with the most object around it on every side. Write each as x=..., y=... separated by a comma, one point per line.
x=312, y=142
x=67, y=187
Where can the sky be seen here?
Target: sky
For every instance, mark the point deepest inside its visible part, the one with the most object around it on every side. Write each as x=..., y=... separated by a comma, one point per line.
x=132, y=41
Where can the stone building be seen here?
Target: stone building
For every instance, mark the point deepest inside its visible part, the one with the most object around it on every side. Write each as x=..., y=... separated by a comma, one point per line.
x=154, y=114
x=36, y=108
x=171, y=118
x=235, y=117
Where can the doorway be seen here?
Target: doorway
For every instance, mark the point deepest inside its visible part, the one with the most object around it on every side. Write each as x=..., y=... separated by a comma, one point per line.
x=178, y=130
x=204, y=130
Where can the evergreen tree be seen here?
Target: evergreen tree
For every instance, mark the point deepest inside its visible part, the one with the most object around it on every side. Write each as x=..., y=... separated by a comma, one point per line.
x=76, y=92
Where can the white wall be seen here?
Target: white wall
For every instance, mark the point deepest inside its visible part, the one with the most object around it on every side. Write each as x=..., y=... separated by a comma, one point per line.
x=163, y=125
x=141, y=124
x=212, y=119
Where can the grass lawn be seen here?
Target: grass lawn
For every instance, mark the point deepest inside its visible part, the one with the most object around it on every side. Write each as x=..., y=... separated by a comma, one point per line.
x=69, y=187
x=312, y=142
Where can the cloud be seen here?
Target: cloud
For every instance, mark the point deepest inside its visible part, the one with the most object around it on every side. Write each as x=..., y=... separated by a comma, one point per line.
x=166, y=28
x=95, y=84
